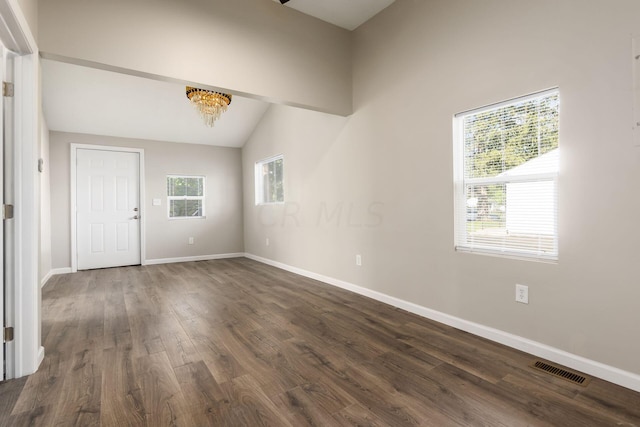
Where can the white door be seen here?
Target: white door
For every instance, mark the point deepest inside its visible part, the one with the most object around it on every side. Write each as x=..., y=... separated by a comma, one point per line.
x=107, y=212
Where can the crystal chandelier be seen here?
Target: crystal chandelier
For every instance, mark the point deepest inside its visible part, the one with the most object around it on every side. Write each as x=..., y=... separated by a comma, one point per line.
x=210, y=104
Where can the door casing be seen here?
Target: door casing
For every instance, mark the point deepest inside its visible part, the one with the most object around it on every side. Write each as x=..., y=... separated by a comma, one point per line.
x=3, y=320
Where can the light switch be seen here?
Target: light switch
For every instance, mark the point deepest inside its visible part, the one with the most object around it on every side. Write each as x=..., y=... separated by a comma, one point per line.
x=156, y=202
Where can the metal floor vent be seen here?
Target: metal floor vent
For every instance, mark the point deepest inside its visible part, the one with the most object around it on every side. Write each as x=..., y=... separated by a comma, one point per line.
x=561, y=373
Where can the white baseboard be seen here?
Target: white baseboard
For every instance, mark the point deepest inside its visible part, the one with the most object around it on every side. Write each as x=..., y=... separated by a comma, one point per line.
x=40, y=357
x=608, y=373
x=46, y=278
x=54, y=272
x=66, y=270
x=193, y=258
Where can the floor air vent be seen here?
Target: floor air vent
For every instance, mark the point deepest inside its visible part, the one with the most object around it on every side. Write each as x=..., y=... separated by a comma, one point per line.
x=561, y=373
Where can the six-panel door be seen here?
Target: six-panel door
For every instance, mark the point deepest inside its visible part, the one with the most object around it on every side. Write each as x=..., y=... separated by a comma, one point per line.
x=107, y=198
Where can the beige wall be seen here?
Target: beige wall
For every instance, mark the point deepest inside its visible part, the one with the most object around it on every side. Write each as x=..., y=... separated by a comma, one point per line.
x=380, y=183
x=220, y=233
x=30, y=10
x=255, y=47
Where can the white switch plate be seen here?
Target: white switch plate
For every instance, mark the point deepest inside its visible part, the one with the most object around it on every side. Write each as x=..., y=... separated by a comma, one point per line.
x=266, y=242
x=156, y=202
x=191, y=240
x=522, y=294
x=358, y=260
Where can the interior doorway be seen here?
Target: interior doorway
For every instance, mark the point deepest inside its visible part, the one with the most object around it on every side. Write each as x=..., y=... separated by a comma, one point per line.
x=21, y=294
x=2, y=181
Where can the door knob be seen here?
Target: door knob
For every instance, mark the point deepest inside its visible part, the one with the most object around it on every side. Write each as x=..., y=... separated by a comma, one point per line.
x=135, y=217
x=135, y=209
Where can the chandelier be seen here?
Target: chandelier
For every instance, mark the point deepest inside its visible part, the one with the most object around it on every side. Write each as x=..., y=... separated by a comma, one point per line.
x=210, y=104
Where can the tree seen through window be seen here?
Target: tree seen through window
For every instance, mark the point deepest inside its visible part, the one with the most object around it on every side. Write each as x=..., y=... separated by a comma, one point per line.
x=185, y=195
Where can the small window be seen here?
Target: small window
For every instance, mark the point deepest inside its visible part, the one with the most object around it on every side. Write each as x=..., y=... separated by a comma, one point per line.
x=506, y=167
x=269, y=180
x=185, y=196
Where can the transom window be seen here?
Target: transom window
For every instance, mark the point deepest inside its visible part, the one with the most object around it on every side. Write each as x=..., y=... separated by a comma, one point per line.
x=506, y=167
x=270, y=180
x=185, y=196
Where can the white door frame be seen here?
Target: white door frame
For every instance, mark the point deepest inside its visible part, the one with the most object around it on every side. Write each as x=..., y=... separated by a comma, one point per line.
x=23, y=302
x=74, y=225
x=3, y=69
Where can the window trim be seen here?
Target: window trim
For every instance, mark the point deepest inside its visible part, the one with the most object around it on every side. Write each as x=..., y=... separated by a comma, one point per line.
x=508, y=102
x=203, y=197
x=259, y=188
x=460, y=183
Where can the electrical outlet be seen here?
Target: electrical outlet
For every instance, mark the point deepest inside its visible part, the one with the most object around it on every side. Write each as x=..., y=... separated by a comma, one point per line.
x=358, y=260
x=522, y=294
x=191, y=240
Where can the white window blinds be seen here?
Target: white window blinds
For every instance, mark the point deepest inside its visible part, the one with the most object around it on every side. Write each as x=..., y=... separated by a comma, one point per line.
x=506, y=167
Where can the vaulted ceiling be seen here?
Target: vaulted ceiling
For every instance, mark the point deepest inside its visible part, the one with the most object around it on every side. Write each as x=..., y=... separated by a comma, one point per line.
x=86, y=100
x=348, y=14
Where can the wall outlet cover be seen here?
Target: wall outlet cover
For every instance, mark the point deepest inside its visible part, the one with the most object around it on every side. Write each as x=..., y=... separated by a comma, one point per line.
x=522, y=294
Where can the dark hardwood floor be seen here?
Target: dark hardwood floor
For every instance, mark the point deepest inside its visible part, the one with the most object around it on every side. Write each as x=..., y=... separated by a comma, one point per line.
x=238, y=343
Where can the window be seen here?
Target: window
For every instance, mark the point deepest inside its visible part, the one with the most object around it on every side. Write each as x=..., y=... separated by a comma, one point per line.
x=506, y=167
x=185, y=196
x=269, y=180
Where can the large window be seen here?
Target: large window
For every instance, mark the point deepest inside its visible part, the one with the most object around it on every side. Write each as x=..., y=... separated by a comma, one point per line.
x=506, y=167
x=270, y=181
x=185, y=196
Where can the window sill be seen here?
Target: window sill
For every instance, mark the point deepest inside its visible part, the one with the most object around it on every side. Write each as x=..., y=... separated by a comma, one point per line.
x=270, y=203
x=180, y=218
x=520, y=256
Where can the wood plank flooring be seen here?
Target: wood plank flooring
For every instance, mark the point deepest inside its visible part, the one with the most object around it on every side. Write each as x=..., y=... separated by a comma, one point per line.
x=238, y=343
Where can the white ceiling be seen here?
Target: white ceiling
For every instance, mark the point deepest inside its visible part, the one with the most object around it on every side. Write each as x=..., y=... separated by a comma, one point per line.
x=87, y=100
x=348, y=14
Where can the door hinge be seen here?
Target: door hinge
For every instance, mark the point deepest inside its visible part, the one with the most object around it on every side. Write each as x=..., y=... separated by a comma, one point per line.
x=8, y=334
x=7, y=89
x=7, y=211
